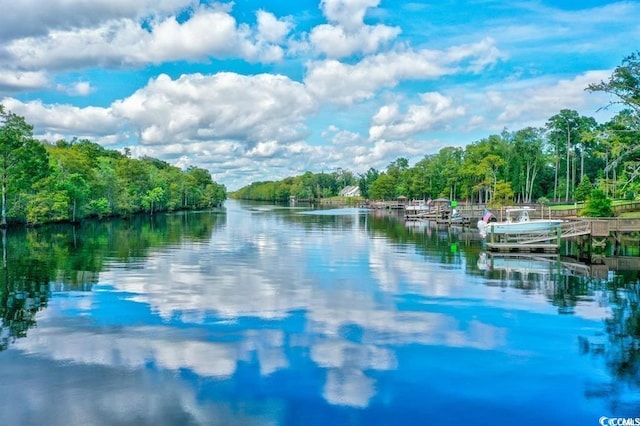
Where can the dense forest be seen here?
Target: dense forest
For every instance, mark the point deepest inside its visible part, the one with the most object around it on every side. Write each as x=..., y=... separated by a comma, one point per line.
x=69, y=180
x=567, y=159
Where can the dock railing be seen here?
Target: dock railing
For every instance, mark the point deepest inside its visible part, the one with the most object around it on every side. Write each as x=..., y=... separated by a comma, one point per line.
x=604, y=226
x=575, y=212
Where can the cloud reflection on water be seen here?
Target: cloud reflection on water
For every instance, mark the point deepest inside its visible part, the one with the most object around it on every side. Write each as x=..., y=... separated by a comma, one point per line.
x=254, y=275
x=85, y=394
x=130, y=348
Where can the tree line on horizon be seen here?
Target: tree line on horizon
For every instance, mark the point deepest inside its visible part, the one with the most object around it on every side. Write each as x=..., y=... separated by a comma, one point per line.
x=564, y=161
x=66, y=181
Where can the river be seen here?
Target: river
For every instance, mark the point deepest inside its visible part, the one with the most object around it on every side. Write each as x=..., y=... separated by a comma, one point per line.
x=271, y=315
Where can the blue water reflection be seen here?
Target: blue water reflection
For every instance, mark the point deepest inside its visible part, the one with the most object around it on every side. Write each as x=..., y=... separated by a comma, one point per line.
x=288, y=316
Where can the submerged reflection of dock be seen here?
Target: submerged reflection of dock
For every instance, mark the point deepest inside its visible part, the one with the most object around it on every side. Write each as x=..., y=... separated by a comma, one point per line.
x=461, y=232
x=624, y=263
x=523, y=264
x=553, y=264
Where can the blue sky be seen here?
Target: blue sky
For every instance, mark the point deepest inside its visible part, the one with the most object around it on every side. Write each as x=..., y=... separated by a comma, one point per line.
x=257, y=91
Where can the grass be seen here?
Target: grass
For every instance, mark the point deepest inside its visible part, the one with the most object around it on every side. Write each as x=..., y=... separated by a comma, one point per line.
x=626, y=215
x=566, y=206
x=630, y=215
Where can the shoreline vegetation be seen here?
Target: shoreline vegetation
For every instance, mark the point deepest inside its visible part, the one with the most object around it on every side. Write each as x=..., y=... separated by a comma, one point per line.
x=68, y=181
x=572, y=159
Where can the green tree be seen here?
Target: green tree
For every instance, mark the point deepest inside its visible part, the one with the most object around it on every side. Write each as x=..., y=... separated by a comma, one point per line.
x=622, y=134
x=623, y=84
x=598, y=205
x=583, y=190
x=106, y=184
x=566, y=132
x=396, y=167
x=22, y=159
x=133, y=183
x=399, y=171
x=74, y=173
x=49, y=203
x=448, y=162
x=503, y=194
x=384, y=188
x=99, y=207
x=529, y=161
x=152, y=198
x=342, y=178
x=77, y=189
x=366, y=181
x=491, y=164
x=204, y=191
x=438, y=175
x=620, y=150
x=215, y=194
x=483, y=166
x=308, y=186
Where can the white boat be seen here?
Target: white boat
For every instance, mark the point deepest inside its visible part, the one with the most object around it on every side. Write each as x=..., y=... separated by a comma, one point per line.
x=517, y=222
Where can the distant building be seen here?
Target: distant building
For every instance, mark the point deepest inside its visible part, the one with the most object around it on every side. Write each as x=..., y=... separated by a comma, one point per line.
x=350, y=191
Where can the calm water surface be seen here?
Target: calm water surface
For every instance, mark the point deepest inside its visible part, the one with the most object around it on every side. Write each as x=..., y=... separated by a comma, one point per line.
x=273, y=315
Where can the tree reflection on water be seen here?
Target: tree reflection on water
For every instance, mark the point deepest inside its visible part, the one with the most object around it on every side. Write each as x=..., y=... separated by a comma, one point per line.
x=23, y=288
x=569, y=285
x=37, y=262
x=620, y=347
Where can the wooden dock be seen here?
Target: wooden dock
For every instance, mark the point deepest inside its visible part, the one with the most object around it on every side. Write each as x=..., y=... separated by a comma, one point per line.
x=461, y=221
x=441, y=214
x=594, y=235
x=544, y=241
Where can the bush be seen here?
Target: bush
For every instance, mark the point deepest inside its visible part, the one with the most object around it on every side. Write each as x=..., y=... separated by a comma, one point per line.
x=598, y=205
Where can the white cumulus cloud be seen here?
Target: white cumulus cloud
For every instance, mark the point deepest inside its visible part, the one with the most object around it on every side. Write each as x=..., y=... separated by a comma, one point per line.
x=345, y=83
x=123, y=41
x=11, y=81
x=197, y=107
x=435, y=112
x=346, y=32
